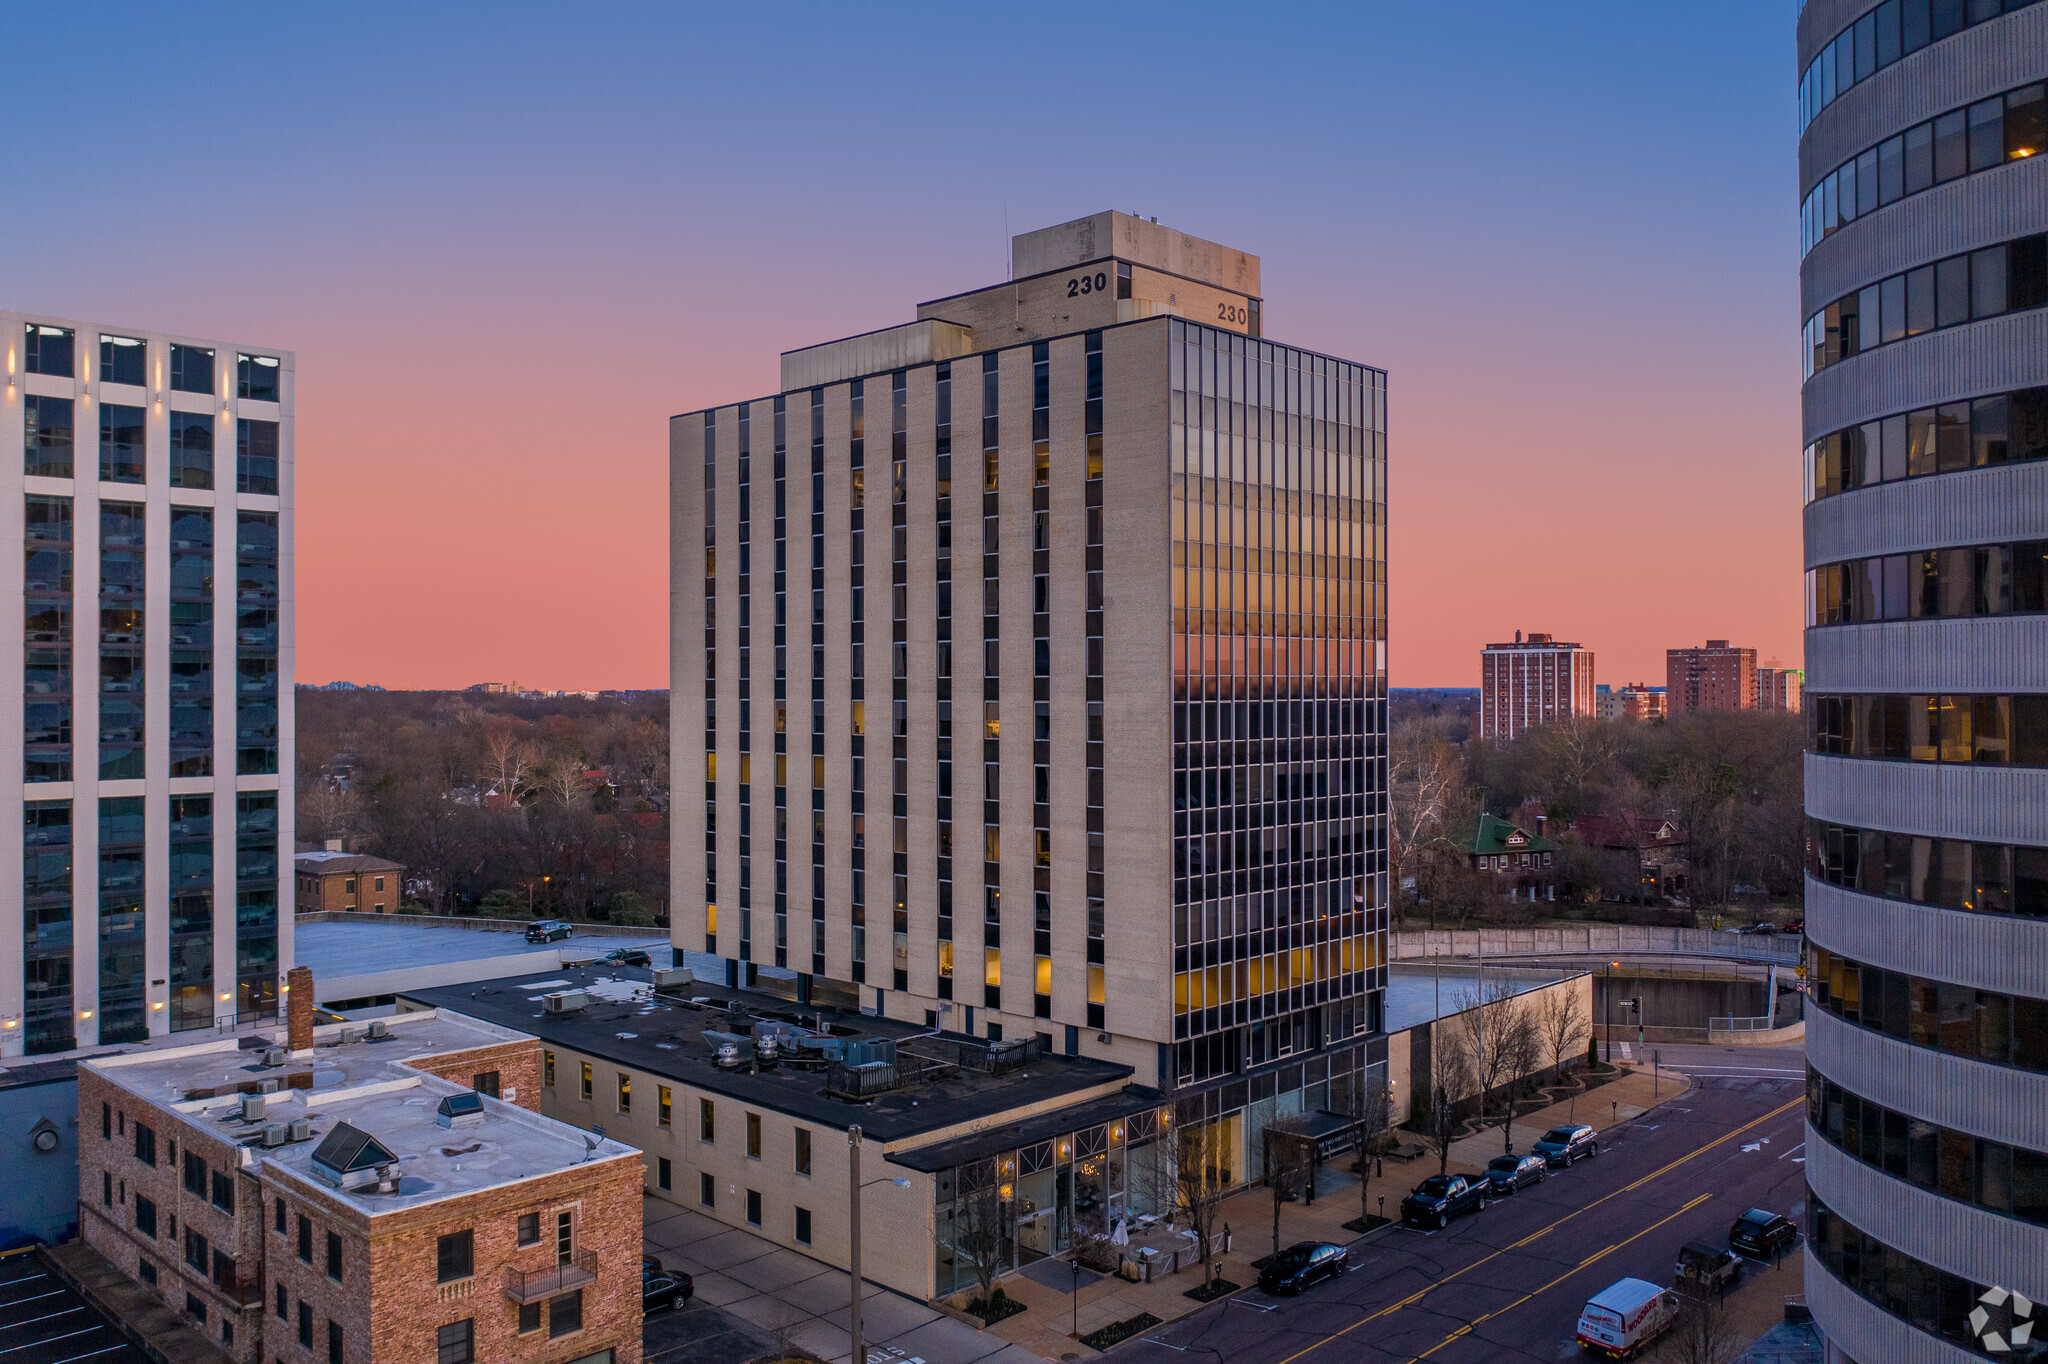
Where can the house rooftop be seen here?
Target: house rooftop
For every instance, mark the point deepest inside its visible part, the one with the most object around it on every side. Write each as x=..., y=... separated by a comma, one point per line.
x=368, y=1087
x=1496, y=835
x=331, y=863
x=626, y=1022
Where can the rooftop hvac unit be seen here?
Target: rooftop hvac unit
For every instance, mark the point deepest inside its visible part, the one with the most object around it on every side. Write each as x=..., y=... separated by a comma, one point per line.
x=253, y=1107
x=270, y=1086
x=673, y=978
x=301, y=1129
x=564, y=1001
x=348, y=1037
x=274, y=1057
x=379, y=1030
x=276, y=1134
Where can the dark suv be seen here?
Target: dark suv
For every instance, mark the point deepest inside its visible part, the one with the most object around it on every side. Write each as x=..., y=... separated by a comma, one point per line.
x=1564, y=1145
x=1762, y=1235
x=1439, y=1198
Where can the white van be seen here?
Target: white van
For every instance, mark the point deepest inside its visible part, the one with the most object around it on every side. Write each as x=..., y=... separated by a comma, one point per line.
x=1625, y=1316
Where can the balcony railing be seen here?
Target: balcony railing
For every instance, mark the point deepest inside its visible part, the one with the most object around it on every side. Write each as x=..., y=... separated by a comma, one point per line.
x=533, y=1285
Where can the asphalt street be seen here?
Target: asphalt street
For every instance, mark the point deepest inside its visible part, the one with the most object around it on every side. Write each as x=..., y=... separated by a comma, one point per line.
x=1507, y=1283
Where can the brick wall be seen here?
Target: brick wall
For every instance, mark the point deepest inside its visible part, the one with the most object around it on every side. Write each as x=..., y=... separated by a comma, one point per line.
x=517, y=1064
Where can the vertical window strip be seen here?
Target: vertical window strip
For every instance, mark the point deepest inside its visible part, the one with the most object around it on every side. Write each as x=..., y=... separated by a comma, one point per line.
x=857, y=694
x=744, y=456
x=991, y=692
x=817, y=698
x=943, y=441
x=781, y=682
x=711, y=682
x=899, y=703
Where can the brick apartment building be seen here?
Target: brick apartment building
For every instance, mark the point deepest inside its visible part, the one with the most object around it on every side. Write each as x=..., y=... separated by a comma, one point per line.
x=1636, y=701
x=1779, y=688
x=1716, y=677
x=347, y=1198
x=1532, y=682
x=328, y=879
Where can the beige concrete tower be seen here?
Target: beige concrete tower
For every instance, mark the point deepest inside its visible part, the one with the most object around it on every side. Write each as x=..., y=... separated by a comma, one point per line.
x=1032, y=655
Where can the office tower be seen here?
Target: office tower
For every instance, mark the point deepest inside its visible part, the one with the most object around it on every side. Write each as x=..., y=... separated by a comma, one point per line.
x=1531, y=682
x=1717, y=677
x=149, y=491
x=1926, y=416
x=1041, y=646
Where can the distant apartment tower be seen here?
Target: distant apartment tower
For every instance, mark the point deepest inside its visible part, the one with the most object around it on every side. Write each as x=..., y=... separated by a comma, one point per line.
x=1779, y=688
x=1532, y=682
x=149, y=688
x=1716, y=677
x=1924, y=289
x=993, y=611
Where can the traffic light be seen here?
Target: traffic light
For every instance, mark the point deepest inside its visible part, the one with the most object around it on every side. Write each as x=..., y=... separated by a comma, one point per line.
x=1635, y=1005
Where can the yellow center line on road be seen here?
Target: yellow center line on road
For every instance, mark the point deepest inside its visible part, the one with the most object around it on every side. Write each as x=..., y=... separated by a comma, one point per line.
x=1417, y=1296
x=1599, y=1255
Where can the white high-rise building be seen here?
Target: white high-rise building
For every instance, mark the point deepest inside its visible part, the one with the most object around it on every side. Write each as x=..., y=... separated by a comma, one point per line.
x=148, y=686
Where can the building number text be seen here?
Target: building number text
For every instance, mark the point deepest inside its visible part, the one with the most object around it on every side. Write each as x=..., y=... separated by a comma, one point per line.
x=1087, y=284
x=1231, y=312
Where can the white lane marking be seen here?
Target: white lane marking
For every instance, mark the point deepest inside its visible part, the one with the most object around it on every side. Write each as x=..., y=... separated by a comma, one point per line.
x=47, y=1316
x=1793, y=1149
x=93, y=1354
x=52, y=1340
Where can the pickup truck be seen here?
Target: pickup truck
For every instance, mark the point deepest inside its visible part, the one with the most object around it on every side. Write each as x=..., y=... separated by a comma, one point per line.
x=1439, y=1198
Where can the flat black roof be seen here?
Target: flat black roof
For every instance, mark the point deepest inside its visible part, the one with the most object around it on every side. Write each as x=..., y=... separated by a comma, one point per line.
x=991, y=1141
x=663, y=1037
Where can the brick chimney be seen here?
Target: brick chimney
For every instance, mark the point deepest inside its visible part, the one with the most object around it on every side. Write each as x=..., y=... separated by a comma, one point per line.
x=298, y=1009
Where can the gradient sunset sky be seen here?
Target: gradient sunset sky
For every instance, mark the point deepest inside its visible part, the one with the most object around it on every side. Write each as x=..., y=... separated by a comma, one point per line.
x=508, y=241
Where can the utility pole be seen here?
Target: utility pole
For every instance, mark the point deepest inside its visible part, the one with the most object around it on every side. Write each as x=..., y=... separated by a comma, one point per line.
x=853, y=1233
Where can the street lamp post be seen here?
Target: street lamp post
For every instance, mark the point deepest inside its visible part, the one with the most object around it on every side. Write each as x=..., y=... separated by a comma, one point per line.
x=853, y=1188
x=853, y=1231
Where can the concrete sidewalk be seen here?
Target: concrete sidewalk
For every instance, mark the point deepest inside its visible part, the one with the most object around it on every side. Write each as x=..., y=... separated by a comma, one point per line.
x=1617, y=1101
x=806, y=1302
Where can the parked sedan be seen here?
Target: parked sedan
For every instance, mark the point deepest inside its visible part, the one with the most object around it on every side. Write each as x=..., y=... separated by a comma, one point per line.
x=627, y=956
x=664, y=1290
x=1761, y=1234
x=1510, y=1174
x=547, y=930
x=1439, y=1198
x=1300, y=1265
x=1564, y=1145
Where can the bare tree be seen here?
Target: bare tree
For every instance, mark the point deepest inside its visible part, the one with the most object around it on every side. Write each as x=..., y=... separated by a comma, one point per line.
x=1562, y=1026
x=1501, y=1038
x=979, y=1235
x=1370, y=1105
x=1198, y=1185
x=1289, y=1160
x=327, y=810
x=1424, y=772
x=1703, y=1333
x=1450, y=1079
x=563, y=780
x=508, y=761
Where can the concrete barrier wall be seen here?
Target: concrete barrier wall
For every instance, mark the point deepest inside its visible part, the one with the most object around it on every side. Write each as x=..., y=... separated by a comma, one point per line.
x=1590, y=939
x=583, y=930
x=371, y=984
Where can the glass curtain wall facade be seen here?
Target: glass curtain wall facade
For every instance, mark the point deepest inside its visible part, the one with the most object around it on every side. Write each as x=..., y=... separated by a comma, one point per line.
x=1279, y=701
x=141, y=814
x=1924, y=281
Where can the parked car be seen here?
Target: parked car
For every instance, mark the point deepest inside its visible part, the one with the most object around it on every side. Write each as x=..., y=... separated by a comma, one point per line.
x=664, y=1290
x=627, y=956
x=1764, y=928
x=1623, y=1317
x=1510, y=1174
x=1761, y=1234
x=1565, y=1145
x=1300, y=1265
x=651, y=1264
x=547, y=930
x=1439, y=1198
x=1797, y=926
x=1703, y=1266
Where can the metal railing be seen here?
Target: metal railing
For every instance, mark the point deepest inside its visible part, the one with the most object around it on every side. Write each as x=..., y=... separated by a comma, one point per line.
x=1758, y=1023
x=1595, y=940
x=532, y=1285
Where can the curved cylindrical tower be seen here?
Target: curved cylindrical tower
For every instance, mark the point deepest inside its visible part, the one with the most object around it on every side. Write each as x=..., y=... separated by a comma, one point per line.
x=1924, y=202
